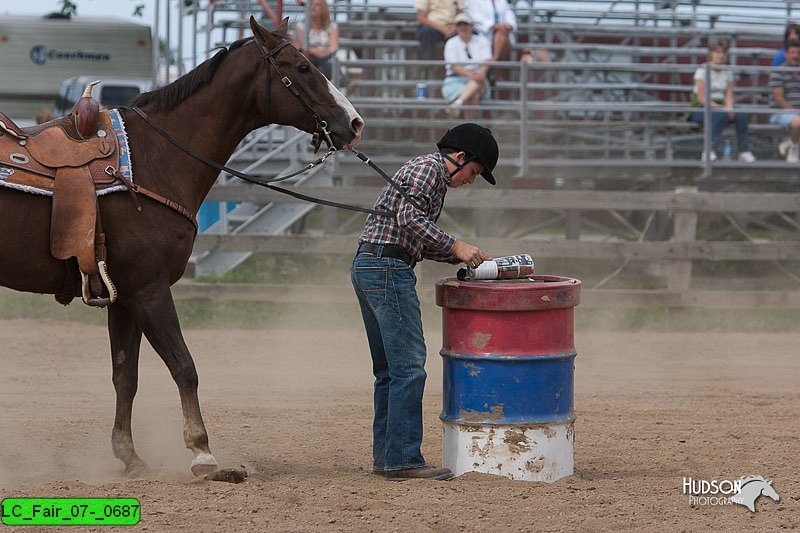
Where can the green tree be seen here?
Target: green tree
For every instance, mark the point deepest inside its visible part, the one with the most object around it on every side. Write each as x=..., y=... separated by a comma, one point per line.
x=69, y=8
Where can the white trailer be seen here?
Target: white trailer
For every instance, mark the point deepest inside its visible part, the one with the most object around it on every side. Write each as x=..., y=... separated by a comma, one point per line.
x=37, y=54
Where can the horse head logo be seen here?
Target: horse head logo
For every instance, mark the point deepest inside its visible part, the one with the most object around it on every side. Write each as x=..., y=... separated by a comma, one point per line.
x=753, y=487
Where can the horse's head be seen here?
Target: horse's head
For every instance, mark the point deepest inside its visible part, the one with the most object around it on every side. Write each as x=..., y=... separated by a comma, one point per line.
x=751, y=488
x=297, y=94
x=769, y=491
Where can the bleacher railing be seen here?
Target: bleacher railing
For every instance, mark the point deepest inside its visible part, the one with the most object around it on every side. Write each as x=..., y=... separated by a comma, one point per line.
x=567, y=114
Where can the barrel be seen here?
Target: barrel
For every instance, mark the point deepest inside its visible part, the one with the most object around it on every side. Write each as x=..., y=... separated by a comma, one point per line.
x=508, y=352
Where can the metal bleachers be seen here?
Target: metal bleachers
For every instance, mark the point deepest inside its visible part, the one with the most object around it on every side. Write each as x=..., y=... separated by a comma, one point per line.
x=606, y=112
x=617, y=86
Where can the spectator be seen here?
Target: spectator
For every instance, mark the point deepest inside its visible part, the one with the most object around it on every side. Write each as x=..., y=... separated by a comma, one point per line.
x=786, y=96
x=436, y=24
x=495, y=20
x=722, y=111
x=792, y=33
x=467, y=57
x=44, y=114
x=323, y=38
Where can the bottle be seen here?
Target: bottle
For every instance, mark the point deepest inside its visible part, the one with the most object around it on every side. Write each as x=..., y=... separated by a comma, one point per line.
x=510, y=267
x=727, y=150
x=422, y=86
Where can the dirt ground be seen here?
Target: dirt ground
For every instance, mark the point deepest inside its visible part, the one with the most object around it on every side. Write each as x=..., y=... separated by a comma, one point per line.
x=294, y=408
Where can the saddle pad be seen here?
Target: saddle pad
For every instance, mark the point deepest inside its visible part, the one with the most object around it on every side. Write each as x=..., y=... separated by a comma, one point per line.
x=35, y=184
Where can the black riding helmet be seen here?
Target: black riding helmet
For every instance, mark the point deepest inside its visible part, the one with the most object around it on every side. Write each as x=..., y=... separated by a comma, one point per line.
x=477, y=142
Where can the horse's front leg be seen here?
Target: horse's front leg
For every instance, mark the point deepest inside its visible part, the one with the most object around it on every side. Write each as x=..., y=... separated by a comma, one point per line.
x=155, y=313
x=125, y=338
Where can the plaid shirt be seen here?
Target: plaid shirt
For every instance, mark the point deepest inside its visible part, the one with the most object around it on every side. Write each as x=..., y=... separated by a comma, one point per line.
x=425, y=180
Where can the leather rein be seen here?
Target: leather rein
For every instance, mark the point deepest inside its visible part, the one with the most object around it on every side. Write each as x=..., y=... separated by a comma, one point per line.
x=321, y=133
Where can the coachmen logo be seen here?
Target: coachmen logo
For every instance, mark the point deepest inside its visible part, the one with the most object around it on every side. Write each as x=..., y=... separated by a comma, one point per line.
x=743, y=491
x=40, y=55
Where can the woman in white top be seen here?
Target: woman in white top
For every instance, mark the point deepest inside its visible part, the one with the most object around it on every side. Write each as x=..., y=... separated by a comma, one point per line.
x=467, y=56
x=323, y=38
x=722, y=112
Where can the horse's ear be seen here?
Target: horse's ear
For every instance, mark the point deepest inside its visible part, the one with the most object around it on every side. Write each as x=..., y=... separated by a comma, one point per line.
x=254, y=27
x=283, y=29
x=263, y=34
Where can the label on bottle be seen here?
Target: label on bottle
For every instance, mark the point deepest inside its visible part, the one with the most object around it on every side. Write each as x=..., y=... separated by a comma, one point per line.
x=509, y=267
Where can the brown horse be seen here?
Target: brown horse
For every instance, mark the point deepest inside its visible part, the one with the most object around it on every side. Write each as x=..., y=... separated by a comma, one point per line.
x=210, y=110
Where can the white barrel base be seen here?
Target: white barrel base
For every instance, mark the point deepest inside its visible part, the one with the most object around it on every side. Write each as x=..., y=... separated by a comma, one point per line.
x=532, y=453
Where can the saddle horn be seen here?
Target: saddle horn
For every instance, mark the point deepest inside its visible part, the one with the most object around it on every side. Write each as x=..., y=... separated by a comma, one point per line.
x=86, y=111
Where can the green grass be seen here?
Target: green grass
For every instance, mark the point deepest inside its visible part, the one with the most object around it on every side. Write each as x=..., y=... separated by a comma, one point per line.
x=287, y=268
x=269, y=315
x=195, y=313
x=689, y=320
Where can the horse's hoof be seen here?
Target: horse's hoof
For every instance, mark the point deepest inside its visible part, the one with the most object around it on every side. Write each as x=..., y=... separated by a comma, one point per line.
x=137, y=470
x=203, y=464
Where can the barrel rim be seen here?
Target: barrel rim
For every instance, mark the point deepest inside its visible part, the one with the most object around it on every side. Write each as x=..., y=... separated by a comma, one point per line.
x=537, y=293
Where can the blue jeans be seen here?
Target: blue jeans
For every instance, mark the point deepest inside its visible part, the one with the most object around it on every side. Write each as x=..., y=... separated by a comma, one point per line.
x=429, y=40
x=719, y=119
x=387, y=294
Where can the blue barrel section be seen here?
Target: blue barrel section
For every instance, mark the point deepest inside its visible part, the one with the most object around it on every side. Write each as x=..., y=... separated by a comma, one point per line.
x=522, y=390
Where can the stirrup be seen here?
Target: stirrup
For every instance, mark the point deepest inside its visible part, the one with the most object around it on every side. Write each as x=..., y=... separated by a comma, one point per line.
x=98, y=301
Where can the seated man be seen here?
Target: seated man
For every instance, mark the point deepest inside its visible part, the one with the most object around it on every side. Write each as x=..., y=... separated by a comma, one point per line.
x=436, y=24
x=494, y=20
x=786, y=96
x=467, y=57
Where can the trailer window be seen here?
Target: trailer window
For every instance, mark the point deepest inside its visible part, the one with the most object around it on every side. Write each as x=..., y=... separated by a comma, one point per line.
x=117, y=95
x=69, y=93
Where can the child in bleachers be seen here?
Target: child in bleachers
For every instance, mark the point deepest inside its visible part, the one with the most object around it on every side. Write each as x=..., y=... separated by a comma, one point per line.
x=722, y=111
x=792, y=33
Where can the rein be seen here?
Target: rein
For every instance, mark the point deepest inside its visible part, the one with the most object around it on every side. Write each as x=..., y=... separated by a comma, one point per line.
x=321, y=133
x=264, y=182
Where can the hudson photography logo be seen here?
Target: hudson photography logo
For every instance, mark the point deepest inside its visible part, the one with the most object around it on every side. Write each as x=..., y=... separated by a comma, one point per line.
x=743, y=491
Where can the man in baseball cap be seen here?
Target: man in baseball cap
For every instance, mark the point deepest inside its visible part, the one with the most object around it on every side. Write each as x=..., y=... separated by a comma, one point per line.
x=385, y=284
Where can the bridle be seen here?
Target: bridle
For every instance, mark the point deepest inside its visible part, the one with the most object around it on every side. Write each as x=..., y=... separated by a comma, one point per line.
x=320, y=134
x=321, y=127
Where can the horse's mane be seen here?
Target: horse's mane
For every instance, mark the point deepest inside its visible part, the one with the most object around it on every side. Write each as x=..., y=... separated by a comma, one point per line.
x=168, y=97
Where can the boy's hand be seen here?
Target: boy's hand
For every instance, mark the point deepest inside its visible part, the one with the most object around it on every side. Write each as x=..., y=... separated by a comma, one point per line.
x=471, y=255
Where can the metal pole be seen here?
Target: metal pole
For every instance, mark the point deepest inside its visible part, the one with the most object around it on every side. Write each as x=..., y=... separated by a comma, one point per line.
x=209, y=24
x=523, y=118
x=181, y=13
x=707, y=121
x=307, y=30
x=167, y=41
x=155, y=51
x=195, y=36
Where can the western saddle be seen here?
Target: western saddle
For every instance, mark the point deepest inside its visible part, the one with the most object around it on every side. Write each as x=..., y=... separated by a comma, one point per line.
x=56, y=156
